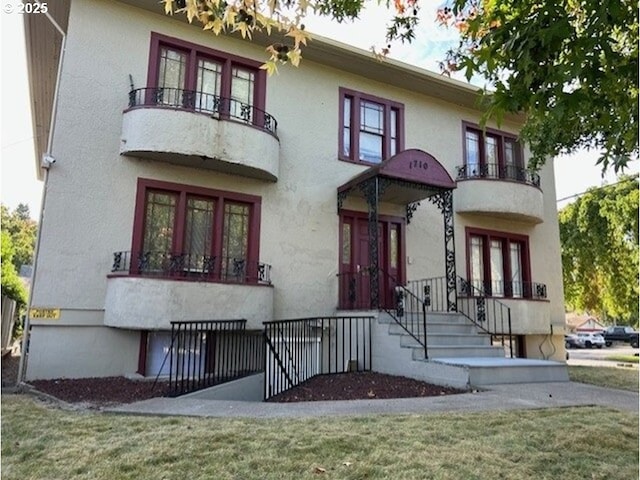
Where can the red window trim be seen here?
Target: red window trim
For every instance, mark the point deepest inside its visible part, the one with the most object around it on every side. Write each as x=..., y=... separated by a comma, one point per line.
x=505, y=236
x=355, y=120
x=502, y=135
x=158, y=40
x=255, y=202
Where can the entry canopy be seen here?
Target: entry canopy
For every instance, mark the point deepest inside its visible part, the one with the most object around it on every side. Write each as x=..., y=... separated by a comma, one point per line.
x=408, y=177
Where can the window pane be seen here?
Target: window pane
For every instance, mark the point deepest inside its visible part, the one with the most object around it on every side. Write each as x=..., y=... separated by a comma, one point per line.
x=491, y=151
x=171, y=76
x=346, y=127
x=497, y=269
x=370, y=147
x=157, y=244
x=477, y=263
x=509, y=152
x=235, y=239
x=198, y=232
x=346, y=243
x=393, y=247
x=473, y=153
x=242, y=87
x=393, y=132
x=516, y=268
x=208, y=85
x=371, y=117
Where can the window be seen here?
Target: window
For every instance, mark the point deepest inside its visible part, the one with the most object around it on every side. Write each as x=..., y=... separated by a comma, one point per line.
x=186, y=75
x=192, y=232
x=498, y=263
x=371, y=128
x=492, y=154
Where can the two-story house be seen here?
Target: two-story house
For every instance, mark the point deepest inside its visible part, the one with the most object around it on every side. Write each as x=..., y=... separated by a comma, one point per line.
x=189, y=185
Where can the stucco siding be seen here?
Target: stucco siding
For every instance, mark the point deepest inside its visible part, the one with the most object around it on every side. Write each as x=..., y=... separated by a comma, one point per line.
x=91, y=190
x=73, y=352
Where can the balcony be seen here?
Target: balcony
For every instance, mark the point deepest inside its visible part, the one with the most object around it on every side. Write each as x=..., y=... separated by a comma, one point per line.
x=502, y=289
x=530, y=312
x=201, y=130
x=148, y=290
x=508, y=191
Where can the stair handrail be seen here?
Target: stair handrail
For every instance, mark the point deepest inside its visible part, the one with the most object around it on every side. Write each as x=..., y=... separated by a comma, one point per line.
x=401, y=293
x=476, y=305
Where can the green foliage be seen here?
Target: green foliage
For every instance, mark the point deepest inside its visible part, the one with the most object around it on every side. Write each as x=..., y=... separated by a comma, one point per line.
x=599, y=237
x=22, y=230
x=570, y=65
x=12, y=287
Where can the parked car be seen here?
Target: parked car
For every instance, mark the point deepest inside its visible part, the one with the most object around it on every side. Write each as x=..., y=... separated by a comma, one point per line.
x=621, y=334
x=573, y=341
x=591, y=339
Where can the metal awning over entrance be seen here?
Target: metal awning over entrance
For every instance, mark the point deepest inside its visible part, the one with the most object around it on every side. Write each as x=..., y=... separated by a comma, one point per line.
x=405, y=179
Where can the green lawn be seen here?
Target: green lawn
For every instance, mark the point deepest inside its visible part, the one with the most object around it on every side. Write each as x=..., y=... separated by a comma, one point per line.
x=610, y=377
x=40, y=442
x=623, y=358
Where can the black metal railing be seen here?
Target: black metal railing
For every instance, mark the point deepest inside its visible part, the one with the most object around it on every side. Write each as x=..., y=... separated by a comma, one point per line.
x=409, y=310
x=297, y=350
x=189, y=266
x=431, y=291
x=487, y=313
x=507, y=289
x=205, y=353
x=205, y=103
x=499, y=172
x=355, y=290
x=404, y=307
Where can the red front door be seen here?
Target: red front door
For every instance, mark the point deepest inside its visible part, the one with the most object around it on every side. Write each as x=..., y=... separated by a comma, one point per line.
x=355, y=261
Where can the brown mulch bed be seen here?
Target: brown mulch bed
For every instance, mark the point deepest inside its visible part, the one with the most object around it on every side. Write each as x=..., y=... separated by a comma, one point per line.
x=361, y=385
x=99, y=392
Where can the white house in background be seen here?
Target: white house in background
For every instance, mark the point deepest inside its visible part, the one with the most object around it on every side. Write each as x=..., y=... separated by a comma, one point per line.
x=187, y=185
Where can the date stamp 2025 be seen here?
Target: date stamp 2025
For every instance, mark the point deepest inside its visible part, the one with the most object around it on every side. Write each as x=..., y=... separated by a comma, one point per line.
x=24, y=8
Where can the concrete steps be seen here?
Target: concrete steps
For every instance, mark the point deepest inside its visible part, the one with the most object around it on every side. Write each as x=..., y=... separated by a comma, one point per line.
x=460, y=354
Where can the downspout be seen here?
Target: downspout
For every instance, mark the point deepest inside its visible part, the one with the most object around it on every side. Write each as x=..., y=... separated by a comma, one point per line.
x=24, y=351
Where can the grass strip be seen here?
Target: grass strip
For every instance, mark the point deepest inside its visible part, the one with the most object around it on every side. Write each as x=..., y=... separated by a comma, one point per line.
x=623, y=358
x=610, y=377
x=40, y=441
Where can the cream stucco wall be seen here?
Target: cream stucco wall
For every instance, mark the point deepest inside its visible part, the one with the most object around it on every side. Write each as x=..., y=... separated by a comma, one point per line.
x=92, y=188
x=73, y=352
x=150, y=303
x=502, y=199
x=178, y=136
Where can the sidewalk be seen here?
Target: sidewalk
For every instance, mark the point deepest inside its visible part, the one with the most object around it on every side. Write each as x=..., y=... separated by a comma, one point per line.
x=494, y=398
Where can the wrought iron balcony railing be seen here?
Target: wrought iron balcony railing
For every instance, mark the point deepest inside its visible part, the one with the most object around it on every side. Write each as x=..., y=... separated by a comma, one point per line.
x=205, y=103
x=532, y=290
x=187, y=266
x=499, y=172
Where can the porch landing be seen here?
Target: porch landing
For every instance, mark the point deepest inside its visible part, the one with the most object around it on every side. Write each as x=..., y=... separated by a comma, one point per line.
x=495, y=371
x=463, y=360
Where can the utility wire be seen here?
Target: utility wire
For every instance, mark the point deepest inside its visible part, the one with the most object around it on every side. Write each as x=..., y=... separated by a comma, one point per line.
x=633, y=177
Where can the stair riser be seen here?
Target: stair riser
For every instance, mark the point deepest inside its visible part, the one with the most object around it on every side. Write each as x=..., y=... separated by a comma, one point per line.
x=395, y=329
x=457, y=352
x=501, y=375
x=448, y=319
x=447, y=340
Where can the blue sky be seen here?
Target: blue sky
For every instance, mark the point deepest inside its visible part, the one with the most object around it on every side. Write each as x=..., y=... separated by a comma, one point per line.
x=19, y=185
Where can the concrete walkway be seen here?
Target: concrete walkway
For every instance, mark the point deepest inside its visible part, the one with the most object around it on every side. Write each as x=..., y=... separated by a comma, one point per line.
x=494, y=398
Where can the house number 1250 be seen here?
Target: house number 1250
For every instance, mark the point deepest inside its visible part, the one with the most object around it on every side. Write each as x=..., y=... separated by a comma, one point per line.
x=418, y=164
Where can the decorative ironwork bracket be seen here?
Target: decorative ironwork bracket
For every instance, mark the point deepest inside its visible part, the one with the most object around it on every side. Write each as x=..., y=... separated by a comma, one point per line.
x=341, y=198
x=444, y=201
x=411, y=208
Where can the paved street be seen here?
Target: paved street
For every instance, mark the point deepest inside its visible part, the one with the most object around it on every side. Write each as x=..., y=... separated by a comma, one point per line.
x=597, y=356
